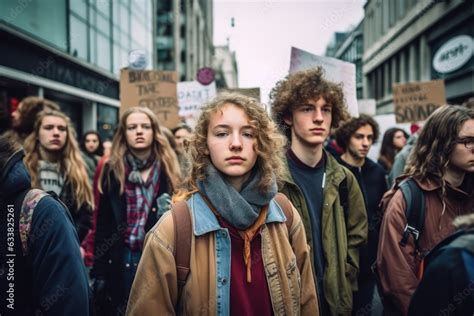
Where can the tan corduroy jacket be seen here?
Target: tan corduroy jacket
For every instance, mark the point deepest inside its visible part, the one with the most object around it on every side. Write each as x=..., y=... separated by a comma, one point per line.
x=207, y=290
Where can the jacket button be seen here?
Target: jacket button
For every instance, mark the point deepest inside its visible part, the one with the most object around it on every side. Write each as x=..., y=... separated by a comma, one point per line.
x=224, y=281
x=224, y=234
x=127, y=265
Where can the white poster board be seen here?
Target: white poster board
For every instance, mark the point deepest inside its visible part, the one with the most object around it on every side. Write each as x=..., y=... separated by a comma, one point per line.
x=367, y=106
x=336, y=70
x=191, y=97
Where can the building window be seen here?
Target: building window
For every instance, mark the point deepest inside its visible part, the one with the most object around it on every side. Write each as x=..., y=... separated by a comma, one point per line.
x=107, y=118
x=416, y=51
x=78, y=38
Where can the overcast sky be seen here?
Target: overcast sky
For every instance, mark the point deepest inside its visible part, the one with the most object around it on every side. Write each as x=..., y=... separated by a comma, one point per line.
x=265, y=31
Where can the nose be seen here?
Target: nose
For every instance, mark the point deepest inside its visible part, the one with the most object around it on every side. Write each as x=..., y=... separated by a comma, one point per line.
x=236, y=142
x=365, y=142
x=318, y=116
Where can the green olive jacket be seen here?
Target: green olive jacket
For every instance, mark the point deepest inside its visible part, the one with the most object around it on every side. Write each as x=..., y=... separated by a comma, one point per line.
x=341, y=240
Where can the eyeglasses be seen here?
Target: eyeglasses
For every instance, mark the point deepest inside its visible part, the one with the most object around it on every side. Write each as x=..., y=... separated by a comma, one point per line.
x=467, y=141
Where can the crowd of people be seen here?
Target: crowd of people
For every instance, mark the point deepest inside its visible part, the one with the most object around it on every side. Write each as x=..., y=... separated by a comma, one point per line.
x=247, y=213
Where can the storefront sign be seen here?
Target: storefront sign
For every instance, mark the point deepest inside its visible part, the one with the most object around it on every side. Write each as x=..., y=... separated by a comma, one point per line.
x=156, y=90
x=415, y=101
x=454, y=54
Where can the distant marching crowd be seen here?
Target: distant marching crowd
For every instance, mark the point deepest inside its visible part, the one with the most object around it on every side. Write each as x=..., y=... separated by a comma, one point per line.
x=248, y=213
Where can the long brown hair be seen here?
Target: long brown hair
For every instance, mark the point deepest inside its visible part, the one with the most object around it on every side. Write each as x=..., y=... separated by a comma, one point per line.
x=161, y=149
x=430, y=155
x=71, y=162
x=269, y=148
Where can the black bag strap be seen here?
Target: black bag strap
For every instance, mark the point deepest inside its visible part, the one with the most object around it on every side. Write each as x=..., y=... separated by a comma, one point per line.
x=182, y=238
x=414, y=211
x=344, y=198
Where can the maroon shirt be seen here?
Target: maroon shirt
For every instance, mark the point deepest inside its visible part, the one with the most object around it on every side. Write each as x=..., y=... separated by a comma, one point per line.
x=247, y=298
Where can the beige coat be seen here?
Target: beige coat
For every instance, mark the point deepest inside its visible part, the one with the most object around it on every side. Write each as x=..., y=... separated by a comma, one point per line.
x=287, y=266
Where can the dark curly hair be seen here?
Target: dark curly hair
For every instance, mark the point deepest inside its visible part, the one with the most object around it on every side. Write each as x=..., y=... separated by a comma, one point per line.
x=348, y=128
x=29, y=110
x=298, y=88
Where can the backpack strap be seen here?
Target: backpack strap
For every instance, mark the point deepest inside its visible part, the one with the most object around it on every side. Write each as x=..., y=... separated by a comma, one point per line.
x=414, y=211
x=30, y=201
x=182, y=238
x=285, y=205
x=344, y=198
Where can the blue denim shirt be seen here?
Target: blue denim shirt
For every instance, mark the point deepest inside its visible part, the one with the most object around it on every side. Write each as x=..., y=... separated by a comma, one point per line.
x=204, y=221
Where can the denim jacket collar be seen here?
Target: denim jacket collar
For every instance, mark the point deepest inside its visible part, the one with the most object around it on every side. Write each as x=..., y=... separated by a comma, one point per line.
x=204, y=220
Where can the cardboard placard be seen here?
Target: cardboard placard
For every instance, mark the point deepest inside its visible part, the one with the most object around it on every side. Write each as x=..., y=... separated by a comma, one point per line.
x=156, y=90
x=415, y=101
x=191, y=97
x=336, y=71
x=250, y=92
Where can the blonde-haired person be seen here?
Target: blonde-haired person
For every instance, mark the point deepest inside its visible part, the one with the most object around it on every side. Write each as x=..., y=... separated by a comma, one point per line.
x=55, y=163
x=442, y=164
x=244, y=260
x=140, y=175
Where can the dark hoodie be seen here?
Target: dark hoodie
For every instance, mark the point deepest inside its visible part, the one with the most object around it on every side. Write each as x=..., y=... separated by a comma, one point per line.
x=51, y=278
x=371, y=179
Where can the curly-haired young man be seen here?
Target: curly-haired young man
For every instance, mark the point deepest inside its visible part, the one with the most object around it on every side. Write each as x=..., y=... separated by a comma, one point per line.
x=355, y=137
x=306, y=106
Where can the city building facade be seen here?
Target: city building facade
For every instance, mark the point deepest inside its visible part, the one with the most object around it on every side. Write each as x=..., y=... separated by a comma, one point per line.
x=348, y=46
x=418, y=40
x=71, y=51
x=184, y=36
x=225, y=65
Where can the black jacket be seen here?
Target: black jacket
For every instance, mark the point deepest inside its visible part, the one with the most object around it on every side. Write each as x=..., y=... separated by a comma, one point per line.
x=111, y=227
x=371, y=179
x=447, y=287
x=51, y=278
x=82, y=215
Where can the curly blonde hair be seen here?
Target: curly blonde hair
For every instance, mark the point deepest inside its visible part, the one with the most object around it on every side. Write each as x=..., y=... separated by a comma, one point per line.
x=298, y=88
x=269, y=146
x=71, y=163
x=161, y=149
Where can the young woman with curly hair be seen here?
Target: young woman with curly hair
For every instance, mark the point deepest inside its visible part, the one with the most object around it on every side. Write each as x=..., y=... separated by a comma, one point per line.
x=442, y=165
x=244, y=259
x=54, y=162
x=135, y=183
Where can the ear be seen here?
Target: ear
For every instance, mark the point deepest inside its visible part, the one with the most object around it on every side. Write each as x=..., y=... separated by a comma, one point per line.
x=206, y=151
x=288, y=119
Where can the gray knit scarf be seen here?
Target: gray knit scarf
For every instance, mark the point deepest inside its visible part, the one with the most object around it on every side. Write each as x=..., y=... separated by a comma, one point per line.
x=239, y=209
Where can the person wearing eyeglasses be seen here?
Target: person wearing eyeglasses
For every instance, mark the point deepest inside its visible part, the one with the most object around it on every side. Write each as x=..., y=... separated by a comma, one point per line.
x=442, y=164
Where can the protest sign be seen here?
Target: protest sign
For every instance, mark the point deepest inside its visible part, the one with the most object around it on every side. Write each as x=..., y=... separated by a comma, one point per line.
x=156, y=90
x=367, y=106
x=250, y=92
x=192, y=95
x=336, y=70
x=415, y=101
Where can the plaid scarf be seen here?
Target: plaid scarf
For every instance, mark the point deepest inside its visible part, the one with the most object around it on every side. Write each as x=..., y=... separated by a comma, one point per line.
x=139, y=197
